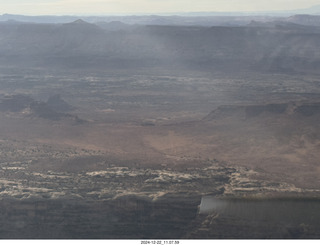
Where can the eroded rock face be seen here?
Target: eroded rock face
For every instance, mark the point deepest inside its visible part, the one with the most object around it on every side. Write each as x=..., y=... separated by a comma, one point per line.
x=254, y=111
x=308, y=109
x=54, y=109
x=121, y=201
x=104, y=200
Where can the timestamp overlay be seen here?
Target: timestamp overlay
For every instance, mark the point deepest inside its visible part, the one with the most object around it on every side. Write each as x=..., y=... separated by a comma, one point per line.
x=159, y=241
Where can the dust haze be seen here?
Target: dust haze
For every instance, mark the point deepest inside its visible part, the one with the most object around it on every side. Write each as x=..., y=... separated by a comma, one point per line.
x=140, y=127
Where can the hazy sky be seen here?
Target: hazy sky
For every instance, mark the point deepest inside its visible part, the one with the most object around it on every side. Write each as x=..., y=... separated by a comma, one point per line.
x=59, y=7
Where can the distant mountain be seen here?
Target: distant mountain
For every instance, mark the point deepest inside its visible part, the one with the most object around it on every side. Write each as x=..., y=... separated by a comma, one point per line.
x=54, y=109
x=270, y=46
x=308, y=20
x=191, y=18
x=204, y=19
x=277, y=24
x=113, y=25
x=58, y=104
x=79, y=23
x=79, y=27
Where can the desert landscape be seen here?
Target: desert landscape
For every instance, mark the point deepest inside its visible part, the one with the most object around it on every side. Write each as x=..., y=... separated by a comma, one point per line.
x=119, y=130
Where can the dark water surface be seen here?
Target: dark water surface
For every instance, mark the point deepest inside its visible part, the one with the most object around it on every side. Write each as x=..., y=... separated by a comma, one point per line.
x=180, y=217
x=263, y=218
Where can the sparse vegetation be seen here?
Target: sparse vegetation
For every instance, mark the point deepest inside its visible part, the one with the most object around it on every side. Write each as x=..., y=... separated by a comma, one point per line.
x=132, y=129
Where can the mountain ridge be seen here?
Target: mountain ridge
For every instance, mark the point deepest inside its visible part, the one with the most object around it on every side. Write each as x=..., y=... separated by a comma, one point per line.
x=274, y=46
